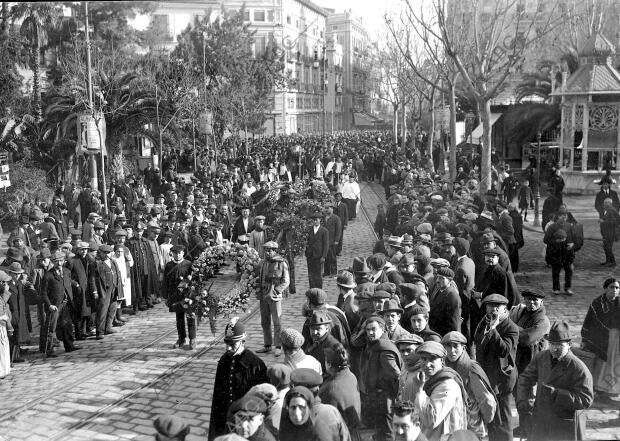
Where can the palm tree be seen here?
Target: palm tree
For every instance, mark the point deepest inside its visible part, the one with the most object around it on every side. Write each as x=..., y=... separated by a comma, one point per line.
x=35, y=19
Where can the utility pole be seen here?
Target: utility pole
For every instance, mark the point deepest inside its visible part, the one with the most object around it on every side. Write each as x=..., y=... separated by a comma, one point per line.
x=92, y=163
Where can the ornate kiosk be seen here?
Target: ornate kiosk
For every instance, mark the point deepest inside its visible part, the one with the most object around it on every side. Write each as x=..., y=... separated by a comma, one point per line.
x=590, y=103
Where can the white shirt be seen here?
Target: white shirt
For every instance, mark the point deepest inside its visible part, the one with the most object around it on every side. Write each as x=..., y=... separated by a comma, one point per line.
x=350, y=190
x=316, y=229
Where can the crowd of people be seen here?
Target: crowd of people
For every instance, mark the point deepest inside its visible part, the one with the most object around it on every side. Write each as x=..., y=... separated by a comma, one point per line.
x=430, y=336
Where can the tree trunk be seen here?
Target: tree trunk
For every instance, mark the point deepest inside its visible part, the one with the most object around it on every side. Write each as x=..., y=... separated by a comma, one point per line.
x=403, y=141
x=36, y=77
x=452, y=163
x=431, y=133
x=161, y=138
x=395, y=124
x=484, y=110
x=5, y=20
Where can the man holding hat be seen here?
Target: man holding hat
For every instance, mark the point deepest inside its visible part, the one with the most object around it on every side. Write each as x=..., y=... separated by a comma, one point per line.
x=237, y=371
x=317, y=248
x=273, y=280
x=496, y=339
x=481, y=403
x=81, y=266
x=380, y=372
x=564, y=389
x=177, y=271
x=441, y=395
x=57, y=296
x=445, y=305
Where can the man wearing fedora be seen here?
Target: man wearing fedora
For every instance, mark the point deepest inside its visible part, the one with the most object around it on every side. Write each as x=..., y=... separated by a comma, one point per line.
x=317, y=248
x=333, y=225
x=392, y=313
x=320, y=324
x=80, y=267
x=57, y=296
x=273, y=279
x=237, y=371
x=564, y=389
x=20, y=315
x=105, y=280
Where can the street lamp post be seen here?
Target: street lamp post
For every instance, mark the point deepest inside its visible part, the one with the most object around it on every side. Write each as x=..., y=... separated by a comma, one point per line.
x=537, y=200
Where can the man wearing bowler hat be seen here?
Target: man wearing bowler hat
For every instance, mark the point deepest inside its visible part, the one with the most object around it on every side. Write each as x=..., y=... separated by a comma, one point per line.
x=317, y=248
x=496, y=339
x=237, y=371
x=392, y=313
x=320, y=326
x=176, y=272
x=564, y=389
x=81, y=267
x=20, y=315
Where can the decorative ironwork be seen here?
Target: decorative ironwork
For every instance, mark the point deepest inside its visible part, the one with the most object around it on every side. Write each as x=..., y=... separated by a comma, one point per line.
x=603, y=118
x=578, y=117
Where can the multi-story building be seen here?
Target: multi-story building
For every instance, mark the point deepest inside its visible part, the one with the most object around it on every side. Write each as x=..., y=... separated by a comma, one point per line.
x=310, y=100
x=357, y=65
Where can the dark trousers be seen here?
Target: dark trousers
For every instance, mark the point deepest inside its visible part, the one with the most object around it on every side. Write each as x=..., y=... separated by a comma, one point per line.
x=568, y=275
x=351, y=204
x=380, y=416
x=270, y=313
x=513, y=255
x=503, y=431
x=608, y=247
x=106, y=311
x=331, y=263
x=315, y=272
x=145, y=297
x=290, y=259
x=191, y=326
x=58, y=324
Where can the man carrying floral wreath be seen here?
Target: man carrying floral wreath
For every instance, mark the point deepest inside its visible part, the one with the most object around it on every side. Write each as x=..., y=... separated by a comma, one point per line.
x=176, y=272
x=273, y=281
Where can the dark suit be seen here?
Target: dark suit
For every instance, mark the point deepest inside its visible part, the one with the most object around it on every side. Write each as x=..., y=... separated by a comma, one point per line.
x=105, y=280
x=342, y=211
x=317, y=248
x=333, y=225
x=239, y=230
x=56, y=290
x=82, y=294
x=601, y=196
x=608, y=223
x=464, y=277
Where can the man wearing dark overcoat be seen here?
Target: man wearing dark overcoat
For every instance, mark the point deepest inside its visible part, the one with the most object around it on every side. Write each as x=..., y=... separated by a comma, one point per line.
x=176, y=272
x=139, y=271
x=333, y=225
x=605, y=193
x=608, y=223
x=57, y=296
x=243, y=225
x=317, y=248
x=237, y=371
x=496, y=339
x=564, y=390
x=105, y=280
x=80, y=267
x=342, y=211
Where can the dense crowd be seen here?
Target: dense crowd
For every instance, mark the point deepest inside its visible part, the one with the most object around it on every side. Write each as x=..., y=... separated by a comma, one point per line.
x=430, y=336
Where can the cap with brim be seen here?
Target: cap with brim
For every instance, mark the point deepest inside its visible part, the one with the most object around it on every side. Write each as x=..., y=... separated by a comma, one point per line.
x=260, y=217
x=171, y=427
x=120, y=233
x=249, y=404
x=409, y=339
x=306, y=377
x=346, y=280
x=271, y=245
x=496, y=299
x=381, y=294
x=59, y=255
x=319, y=318
x=375, y=318
x=279, y=374
x=559, y=332
x=532, y=293
x=94, y=215
x=16, y=268
x=360, y=266
x=491, y=251
x=391, y=306
x=454, y=337
x=82, y=245
x=15, y=254
x=105, y=248
x=432, y=348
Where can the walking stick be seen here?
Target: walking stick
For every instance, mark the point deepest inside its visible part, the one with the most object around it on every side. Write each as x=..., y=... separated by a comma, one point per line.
x=48, y=323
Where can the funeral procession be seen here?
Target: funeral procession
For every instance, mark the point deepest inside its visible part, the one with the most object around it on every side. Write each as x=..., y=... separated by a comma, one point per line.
x=310, y=220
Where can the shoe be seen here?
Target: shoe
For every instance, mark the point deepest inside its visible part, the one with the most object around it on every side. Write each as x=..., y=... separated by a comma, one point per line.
x=118, y=324
x=19, y=360
x=80, y=337
x=556, y=292
x=569, y=292
x=278, y=352
x=264, y=350
x=51, y=355
x=611, y=264
x=74, y=348
x=604, y=263
x=178, y=344
x=142, y=308
x=192, y=343
x=122, y=320
x=99, y=337
x=110, y=331
x=129, y=312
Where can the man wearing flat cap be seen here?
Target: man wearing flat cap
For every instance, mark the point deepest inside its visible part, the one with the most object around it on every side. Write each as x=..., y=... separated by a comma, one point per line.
x=496, y=339
x=170, y=428
x=481, y=403
x=248, y=418
x=317, y=248
x=380, y=371
x=445, y=305
x=273, y=280
x=294, y=355
x=237, y=371
x=176, y=272
x=441, y=395
x=80, y=266
x=531, y=318
x=57, y=296
x=564, y=390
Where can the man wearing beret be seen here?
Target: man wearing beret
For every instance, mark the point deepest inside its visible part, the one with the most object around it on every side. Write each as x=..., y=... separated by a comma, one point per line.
x=80, y=267
x=441, y=395
x=237, y=371
x=57, y=296
x=481, y=403
x=496, y=339
x=248, y=418
x=445, y=305
x=273, y=280
x=564, y=389
x=177, y=271
x=317, y=248
x=380, y=371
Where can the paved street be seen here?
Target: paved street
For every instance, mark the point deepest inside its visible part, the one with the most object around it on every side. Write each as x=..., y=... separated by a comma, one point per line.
x=114, y=389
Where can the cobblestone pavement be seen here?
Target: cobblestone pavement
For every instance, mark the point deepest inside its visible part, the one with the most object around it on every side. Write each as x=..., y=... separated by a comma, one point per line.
x=113, y=389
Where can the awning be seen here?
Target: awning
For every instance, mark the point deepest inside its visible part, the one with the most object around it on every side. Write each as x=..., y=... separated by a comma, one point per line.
x=477, y=133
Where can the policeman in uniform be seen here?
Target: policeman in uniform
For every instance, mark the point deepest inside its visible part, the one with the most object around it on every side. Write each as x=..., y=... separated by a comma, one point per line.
x=237, y=371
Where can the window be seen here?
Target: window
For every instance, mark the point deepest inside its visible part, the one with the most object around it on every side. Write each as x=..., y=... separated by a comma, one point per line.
x=246, y=15
x=259, y=15
x=161, y=26
x=270, y=15
x=288, y=19
x=259, y=45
